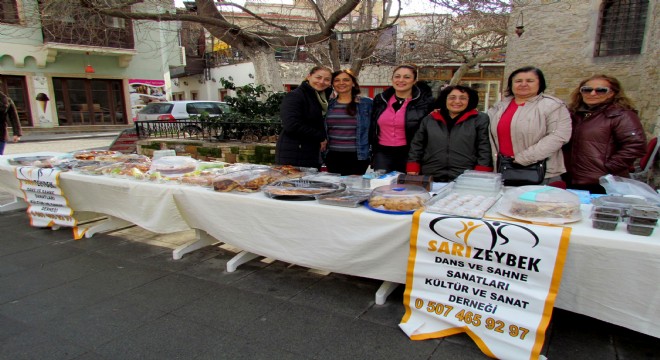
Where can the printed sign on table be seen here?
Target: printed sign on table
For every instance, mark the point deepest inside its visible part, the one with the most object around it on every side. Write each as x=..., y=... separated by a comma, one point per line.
x=495, y=280
x=47, y=205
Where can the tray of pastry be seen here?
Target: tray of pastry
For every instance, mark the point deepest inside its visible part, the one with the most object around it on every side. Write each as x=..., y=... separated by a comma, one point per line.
x=300, y=189
x=346, y=198
x=246, y=180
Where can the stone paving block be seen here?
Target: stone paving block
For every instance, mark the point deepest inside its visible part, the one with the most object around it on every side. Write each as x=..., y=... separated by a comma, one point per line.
x=35, y=344
x=358, y=339
x=296, y=328
x=9, y=328
x=343, y=294
x=130, y=250
x=241, y=348
x=279, y=279
x=40, y=256
x=452, y=351
x=228, y=309
x=101, y=322
x=215, y=269
x=390, y=313
x=169, y=293
x=168, y=337
x=124, y=276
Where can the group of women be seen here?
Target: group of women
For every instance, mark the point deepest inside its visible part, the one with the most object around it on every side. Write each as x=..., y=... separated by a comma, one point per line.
x=325, y=120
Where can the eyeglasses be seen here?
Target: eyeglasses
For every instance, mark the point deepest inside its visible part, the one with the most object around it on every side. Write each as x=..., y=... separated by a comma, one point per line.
x=598, y=90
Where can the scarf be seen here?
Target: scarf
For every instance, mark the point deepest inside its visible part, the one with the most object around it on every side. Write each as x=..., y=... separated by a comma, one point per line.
x=323, y=101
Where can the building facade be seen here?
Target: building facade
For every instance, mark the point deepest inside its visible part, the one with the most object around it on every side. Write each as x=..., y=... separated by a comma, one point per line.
x=63, y=67
x=573, y=39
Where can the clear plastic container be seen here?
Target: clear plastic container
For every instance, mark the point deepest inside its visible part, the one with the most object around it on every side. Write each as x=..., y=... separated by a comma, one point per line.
x=171, y=166
x=542, y=204
x=397, y=198
x=622, y=202
x=651, y=212
x=347, y=198
x=453, y=201
x=604, y=224
x=638, y=229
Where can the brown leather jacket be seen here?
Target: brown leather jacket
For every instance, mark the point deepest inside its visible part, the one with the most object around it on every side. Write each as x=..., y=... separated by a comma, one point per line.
x=606, y=140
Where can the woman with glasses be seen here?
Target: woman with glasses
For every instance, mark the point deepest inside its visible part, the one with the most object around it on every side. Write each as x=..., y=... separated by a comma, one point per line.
x=396, y=115
x=530, y=126
x=302, y=112
x=347, y=125
x=453, y=138
x=607, y=134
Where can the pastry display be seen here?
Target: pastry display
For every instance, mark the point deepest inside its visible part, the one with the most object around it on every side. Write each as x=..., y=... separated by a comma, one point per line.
x=173, y=165
x=398, y=198
x=542, y=204
x=346, y=198
x=454, y=202
x=45, y=161
x=95, y=154
x=246, y=180
x=299, y=189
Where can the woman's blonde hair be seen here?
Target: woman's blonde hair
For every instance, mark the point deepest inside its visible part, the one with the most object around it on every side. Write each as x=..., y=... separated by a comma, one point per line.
x=619, y=97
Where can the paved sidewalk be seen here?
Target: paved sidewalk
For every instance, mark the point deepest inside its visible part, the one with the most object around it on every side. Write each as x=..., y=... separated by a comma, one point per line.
x=121, y=296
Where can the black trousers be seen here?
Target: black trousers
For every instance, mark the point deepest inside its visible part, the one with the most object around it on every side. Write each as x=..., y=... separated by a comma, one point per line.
x=345, y=163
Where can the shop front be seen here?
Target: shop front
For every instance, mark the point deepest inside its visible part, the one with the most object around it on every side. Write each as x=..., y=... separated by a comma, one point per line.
x=89, y=101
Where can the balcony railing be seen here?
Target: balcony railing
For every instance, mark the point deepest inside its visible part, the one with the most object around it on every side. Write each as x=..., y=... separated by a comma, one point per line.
x=209, y=130
x=90, y=32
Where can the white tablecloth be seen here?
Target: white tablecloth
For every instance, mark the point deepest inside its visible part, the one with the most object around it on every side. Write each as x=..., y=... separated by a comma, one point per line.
x=145, y=204
x=612, y=276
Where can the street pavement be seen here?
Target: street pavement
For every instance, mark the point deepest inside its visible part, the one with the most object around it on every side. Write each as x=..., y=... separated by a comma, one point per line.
x=120, y=295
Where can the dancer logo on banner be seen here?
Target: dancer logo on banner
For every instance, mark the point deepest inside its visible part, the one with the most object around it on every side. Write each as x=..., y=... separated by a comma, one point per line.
x=494, y=280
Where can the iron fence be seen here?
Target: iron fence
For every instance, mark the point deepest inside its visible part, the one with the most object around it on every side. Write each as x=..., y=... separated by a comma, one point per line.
x=209, y=130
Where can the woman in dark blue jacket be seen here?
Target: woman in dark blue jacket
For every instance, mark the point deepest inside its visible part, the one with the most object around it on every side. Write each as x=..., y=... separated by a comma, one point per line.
x=347, y=124
x=303, y=129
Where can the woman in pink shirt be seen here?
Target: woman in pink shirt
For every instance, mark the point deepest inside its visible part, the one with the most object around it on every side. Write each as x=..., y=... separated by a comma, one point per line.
x=396, y=115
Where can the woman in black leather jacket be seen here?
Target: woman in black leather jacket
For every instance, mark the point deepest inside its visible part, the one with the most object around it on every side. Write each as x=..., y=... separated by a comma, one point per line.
x=396, y=115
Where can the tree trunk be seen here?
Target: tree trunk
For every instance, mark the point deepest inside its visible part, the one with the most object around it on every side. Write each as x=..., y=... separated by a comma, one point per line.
x=266, y=68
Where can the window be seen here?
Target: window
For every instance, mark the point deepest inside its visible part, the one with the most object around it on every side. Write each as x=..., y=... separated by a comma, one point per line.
x=621, y=28
x=8, y=11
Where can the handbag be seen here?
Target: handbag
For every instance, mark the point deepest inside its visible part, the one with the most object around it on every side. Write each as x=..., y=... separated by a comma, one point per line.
x=517, y=175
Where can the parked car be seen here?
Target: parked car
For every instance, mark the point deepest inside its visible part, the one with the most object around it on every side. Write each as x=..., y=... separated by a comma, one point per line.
x=181, y=110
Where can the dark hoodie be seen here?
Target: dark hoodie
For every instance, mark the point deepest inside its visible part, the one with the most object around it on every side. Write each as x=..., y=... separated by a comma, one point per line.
x=445, y=153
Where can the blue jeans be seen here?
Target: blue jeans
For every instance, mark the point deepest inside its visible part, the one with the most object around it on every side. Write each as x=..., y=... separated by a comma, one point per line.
x=2, y=147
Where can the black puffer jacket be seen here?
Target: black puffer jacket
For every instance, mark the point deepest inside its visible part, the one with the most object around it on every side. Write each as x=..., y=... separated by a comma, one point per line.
x=445, y=154
x=419, y=106
x=605, y=141
x=303, y=130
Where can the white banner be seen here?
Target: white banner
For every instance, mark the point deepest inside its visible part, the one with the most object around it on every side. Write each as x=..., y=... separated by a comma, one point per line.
x=47, y=204
x=495, y=280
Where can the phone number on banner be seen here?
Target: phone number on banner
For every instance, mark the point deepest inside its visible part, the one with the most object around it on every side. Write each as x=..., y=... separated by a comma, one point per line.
x=473, y=319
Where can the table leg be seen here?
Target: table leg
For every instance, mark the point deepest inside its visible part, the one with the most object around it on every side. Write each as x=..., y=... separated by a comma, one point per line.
x=17, y=204
x=240, y=259
x=384, y=291
x=202, y=239
x=111, y=223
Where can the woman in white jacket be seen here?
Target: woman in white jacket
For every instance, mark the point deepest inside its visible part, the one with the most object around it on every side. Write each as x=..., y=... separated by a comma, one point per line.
x=530, y=126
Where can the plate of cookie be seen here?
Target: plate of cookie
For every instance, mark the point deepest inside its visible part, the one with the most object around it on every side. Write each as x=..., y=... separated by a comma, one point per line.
x=398, y=199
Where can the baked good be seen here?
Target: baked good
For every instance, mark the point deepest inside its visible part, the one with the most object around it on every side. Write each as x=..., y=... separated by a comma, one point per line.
x=531, y=209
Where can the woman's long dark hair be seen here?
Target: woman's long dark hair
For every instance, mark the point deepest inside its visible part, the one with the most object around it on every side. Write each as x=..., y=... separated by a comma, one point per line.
x=351, y=108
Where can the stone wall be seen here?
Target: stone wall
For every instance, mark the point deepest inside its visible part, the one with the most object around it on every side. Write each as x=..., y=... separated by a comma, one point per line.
x=377, y=75
x=559, y=39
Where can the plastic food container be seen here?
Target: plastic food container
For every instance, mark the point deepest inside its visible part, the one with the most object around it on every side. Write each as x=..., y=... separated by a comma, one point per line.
x=172, y=166
x=397, y=198
x=300, y=189
x=347, y=198
x=541, y=204
x=604, y=224
x=644, y=211
x=246, y=180
x=455, y=201
x=638, y=229
x=479, y=182
x=622, y=202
